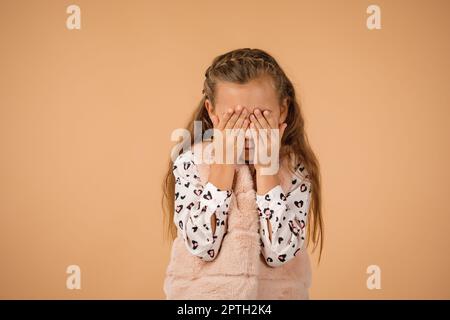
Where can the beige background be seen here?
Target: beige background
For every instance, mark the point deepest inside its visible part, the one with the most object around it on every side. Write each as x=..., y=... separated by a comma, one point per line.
x=86, y=116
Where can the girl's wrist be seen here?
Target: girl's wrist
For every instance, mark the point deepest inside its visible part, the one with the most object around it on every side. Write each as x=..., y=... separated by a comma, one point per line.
x=222, y=175
x=226, y=167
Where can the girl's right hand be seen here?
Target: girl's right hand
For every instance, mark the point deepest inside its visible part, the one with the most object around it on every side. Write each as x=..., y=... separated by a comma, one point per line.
x=227, y=130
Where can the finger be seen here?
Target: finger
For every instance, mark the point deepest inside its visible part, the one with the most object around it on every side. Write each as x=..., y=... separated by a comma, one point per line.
x=254, y=133
x=225, y=118
x=262, y=121
x=255, y=121
x=267, y=122
x=240, y=136
x=234, y=117
x=270, y=118
x=263, y=132
x=214, y=120
x=246, y=125
x=240, y=120
x=243, y=129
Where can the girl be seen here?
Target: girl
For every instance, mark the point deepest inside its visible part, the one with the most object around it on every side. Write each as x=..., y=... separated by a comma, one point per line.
x=239, y=232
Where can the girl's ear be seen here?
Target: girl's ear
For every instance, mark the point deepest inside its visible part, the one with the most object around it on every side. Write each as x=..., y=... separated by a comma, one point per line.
x=284, y=110
x=209, y=108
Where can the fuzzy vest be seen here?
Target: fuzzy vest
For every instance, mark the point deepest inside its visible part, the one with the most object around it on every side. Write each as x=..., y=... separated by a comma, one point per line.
x=239, y=270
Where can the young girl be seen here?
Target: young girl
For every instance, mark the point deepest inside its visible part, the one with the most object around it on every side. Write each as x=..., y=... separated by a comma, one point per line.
x=239, y=233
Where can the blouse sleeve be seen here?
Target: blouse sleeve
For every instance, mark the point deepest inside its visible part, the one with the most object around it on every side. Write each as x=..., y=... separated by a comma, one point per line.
x=287, y=215
x=194, y=205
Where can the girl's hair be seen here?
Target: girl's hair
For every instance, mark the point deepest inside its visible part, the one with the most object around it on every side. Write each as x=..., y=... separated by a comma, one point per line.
x=241, y=66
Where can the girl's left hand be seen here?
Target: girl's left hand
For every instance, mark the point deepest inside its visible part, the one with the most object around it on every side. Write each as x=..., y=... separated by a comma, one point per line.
x=263, y=126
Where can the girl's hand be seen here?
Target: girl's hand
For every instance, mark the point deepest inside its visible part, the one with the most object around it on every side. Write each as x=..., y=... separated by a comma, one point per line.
x=227, y=130
x=221, y=174
x=263, y=126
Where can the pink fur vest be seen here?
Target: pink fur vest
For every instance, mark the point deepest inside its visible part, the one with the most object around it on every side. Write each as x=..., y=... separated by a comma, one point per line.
x=239, y=270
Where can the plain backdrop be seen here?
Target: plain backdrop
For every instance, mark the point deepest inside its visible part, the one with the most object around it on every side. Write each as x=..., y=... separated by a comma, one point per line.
x=86, y=117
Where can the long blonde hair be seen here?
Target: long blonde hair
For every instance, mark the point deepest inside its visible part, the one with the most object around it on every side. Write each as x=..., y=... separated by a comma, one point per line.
x=241, y=66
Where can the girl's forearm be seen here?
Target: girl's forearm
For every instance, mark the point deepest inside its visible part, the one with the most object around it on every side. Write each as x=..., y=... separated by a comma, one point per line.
x=221, y=175
x=264, y=183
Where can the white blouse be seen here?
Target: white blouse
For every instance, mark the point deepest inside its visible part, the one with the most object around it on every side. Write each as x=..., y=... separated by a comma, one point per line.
x=196, y=203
